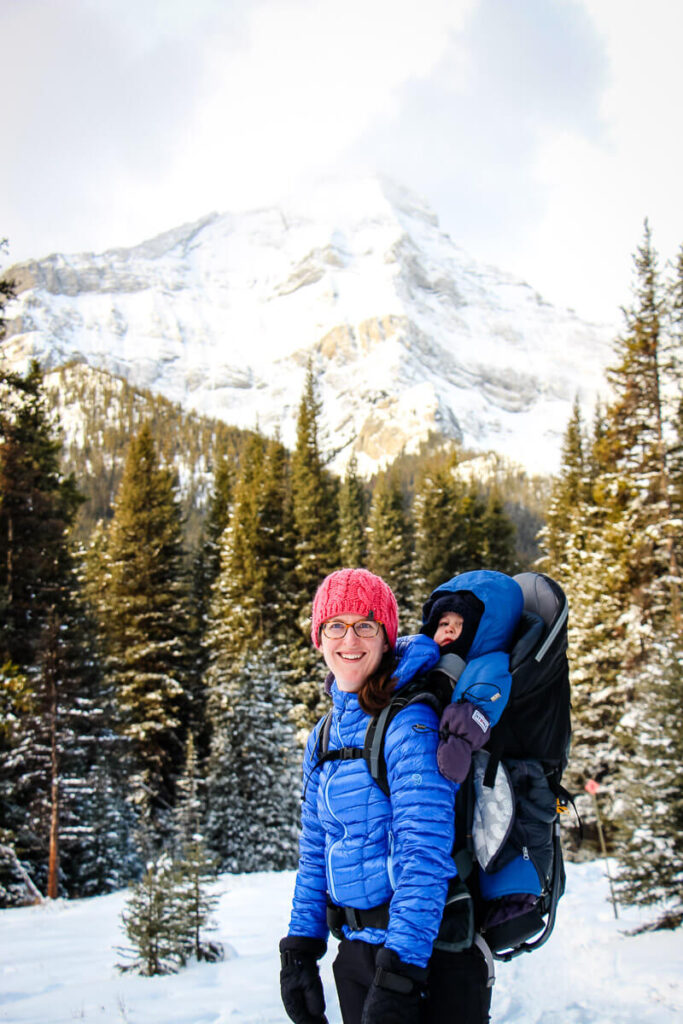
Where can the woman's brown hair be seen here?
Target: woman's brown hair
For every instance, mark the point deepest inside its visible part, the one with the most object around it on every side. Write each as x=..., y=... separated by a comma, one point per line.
x=378, y=689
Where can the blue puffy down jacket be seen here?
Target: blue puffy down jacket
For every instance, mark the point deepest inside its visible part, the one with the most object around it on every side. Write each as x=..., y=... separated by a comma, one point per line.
x=366, y=849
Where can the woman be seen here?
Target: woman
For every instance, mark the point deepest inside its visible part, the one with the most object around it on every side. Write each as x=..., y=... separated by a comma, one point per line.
x=382, y=863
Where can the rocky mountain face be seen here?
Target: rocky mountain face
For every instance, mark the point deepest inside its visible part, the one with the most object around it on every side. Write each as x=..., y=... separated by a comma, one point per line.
x=406, y=334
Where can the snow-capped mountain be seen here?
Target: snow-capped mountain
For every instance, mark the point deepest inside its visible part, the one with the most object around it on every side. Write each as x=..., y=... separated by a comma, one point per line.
x=406, y=333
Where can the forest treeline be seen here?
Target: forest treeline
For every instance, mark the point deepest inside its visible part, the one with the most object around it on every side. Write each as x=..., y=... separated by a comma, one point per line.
x=154, y=636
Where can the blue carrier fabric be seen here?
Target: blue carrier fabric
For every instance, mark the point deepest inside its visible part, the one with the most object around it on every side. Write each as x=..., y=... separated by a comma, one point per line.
x=509, y=812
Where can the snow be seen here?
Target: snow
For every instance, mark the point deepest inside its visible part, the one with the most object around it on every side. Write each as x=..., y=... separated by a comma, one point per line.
x=57, y=964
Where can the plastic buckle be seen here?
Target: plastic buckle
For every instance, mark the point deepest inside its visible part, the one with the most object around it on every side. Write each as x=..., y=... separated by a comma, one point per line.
x=353, y=919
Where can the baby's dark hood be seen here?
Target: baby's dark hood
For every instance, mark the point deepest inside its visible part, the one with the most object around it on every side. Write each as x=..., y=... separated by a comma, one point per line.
x=502, y=601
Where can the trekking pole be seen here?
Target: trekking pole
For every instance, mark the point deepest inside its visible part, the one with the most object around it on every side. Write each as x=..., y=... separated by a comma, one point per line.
x=592, y=787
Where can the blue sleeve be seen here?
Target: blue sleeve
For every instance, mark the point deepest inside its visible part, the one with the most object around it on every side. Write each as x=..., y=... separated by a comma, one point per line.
x=422, y=830
x=415, y=654
x=310, y=889
x=486, y=682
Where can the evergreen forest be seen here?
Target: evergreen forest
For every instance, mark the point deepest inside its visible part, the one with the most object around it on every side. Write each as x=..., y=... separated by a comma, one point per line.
x=157, y=679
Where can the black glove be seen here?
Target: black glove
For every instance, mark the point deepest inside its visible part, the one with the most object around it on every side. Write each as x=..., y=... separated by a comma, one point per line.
x=396, y=994
x=300, y=985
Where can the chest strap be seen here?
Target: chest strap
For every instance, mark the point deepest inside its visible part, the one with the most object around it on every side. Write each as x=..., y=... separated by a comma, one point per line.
x=340, y=754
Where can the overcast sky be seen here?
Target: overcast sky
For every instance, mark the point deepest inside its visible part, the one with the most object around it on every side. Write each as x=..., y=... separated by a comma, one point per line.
x=541, y=132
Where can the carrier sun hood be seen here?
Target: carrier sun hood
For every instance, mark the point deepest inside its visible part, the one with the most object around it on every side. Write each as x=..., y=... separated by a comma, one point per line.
x=503, y=603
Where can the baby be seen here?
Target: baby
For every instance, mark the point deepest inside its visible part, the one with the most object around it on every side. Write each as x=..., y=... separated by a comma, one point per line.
x=473, y=616
x=448, y=629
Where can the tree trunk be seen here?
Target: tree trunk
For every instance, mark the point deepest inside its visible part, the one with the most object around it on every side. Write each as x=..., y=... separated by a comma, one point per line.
x=53, y=860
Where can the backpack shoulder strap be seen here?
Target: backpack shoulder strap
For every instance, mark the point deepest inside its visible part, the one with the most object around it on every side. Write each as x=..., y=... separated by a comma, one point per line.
x=323, y=744
x=323, y=752
x=375, y=735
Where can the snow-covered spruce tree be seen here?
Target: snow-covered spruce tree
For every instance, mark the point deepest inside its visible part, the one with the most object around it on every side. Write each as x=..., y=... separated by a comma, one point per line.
x=353, y=515
x=585, y=551
x=600, y=644
x=651, y=811
x=449, y=517
x=254, y=780
x=252, y=616
x=196, y=872
x=145, y=622
x=499, y=533
x=239, y=591
x=217, y=517
x=674, y=359
x=37, y=507
x=156, y=922
x=188, y=813
x=389, y=533
x=569, y=493
x=637, y=441
x=640, y=506
x=45, y=637
x=316, y=551
x=205, y=569
x=649, y=815
x=196, y=869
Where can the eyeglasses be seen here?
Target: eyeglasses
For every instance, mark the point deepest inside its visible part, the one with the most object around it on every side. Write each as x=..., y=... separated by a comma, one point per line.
x=365, y=629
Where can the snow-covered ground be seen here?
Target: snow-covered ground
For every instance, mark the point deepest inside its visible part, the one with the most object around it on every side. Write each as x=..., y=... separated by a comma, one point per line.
x=57, y=965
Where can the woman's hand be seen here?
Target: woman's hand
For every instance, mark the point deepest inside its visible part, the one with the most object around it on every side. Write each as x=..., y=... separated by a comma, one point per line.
x=300, y=985
x=396, y=994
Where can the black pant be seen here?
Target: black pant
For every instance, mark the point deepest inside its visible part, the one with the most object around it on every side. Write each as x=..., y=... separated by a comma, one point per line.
x=457, y=984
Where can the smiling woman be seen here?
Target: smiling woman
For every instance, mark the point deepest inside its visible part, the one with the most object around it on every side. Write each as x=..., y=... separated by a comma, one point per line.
x=355, y=621
x=374, y=865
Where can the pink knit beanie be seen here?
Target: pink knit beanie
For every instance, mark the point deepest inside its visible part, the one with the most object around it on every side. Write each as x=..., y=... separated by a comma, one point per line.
x=354, y=592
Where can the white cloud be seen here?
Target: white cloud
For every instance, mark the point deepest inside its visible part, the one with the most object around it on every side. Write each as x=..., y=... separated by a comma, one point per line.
x=541, y=131
x=599, y=190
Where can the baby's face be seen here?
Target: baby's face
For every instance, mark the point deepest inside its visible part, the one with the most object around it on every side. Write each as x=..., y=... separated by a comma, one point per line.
x=449, y=628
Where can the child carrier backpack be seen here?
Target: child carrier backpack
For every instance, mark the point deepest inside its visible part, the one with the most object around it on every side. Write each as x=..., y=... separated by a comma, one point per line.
x=508, y=809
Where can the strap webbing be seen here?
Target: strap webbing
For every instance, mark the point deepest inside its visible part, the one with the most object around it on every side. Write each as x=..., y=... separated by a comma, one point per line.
x=355, y=919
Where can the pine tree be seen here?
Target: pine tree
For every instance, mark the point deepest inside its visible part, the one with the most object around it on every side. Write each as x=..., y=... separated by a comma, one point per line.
x=352, y=518
x=594, y=576
x=145, y=616
x=98, y=823
x=196, y=869
x=238, y=600
x=637, y=444
x=43, y=641
x=315, y=527
x=37, y=507
x=253, y=769
x=651, y=811
x=188, y=813
x=390, y=540
x=568, y=494
x=499, y=533
x=612, y=540
x=206, y=567
x=207, y=563
x=641, y=433
x=155, y=922
x=314, y=504
x=585, y=543
x=449, y=527
x=196, y=873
